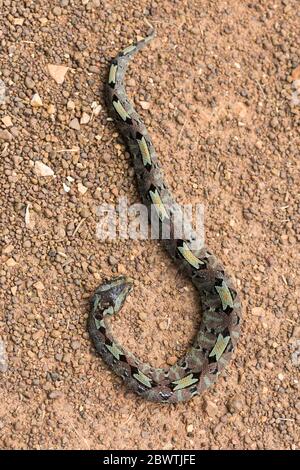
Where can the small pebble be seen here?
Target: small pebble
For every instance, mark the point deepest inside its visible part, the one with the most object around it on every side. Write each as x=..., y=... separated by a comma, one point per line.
x=258, y=311
x=29, y=83
x=51, y=109
x=85, y=118
x=70, y=105
x=36, y=101
x=55, y=394
x=171, y=360
x=57, y=72
x=81, y=188
x=42, y=170
x=74, y=124
x=235, y=405
x=210, y=408
x=57, y=11
x=142, y=315
x=112, y=260
x=39, y=285
x=7, y=121
x=145, y=104
x=296, y=332
x=5, y=135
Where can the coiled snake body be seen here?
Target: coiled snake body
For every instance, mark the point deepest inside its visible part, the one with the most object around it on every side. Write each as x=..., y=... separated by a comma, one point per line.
x=220, y=326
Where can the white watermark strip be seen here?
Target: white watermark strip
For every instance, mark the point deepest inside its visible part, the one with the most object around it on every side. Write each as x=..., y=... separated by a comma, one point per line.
x=125, y=221
x=296, y=353
x=295, y=100
x=3, y=358
x=2, y=91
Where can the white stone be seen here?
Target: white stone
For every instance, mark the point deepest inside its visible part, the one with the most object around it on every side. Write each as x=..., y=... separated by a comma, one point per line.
x=85, y=118
x=57, y=72
x=36, y=101
x=42, y=170
x=81, y=188
x=7, y=121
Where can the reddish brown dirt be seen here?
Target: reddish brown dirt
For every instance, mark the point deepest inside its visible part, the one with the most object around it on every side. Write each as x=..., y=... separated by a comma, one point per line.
x=218, y=80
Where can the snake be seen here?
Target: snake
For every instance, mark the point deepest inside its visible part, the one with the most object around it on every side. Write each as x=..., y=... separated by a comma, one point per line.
x=219, y=329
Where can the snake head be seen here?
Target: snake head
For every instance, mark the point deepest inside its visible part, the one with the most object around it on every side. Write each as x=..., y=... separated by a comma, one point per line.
x=110, y=296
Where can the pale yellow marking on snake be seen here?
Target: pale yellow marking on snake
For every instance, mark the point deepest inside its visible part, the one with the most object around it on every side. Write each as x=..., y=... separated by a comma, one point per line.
x=144, y=151
x=189, y=256
x=160, y=209
x=128, y=49
x=207, y=381
x=143, y=379
x=120, y=110
x=209, y=317
x=108, y=311
x=184, y=382
x=225, y=296
x=219, y=347
x=114, y=350
x=99, y=323
x=112, y=73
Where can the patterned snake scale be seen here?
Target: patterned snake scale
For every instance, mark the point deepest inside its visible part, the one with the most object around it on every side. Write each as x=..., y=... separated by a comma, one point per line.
x=220, y=326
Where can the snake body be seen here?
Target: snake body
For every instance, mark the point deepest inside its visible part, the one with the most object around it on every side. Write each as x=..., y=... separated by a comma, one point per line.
x=220, y=326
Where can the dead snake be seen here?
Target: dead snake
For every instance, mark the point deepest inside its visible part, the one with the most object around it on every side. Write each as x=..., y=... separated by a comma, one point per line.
x=220, y=326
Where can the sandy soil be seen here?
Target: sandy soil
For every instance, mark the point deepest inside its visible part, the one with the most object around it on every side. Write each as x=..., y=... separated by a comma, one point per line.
x=218, y=87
